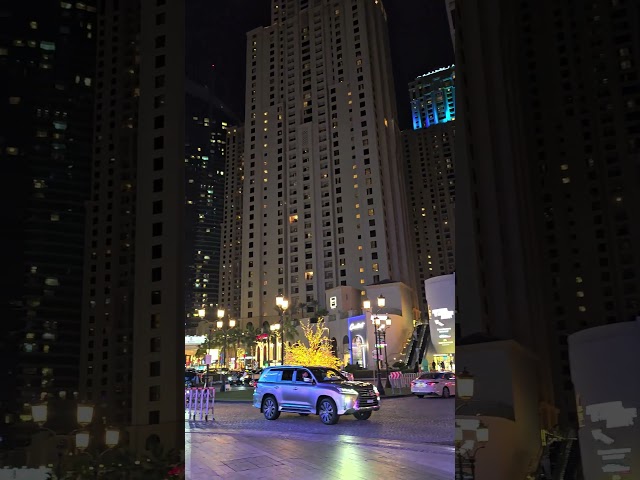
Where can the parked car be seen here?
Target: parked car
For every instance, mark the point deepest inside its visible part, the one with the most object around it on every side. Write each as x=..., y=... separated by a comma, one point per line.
x=235, y=378
x=319, y=391
x=442, y=384
x=253, y=376
x=348, y=375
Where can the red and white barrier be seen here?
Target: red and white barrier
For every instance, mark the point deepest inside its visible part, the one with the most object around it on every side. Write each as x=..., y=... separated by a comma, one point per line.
x=400, y=380
x=199, y=403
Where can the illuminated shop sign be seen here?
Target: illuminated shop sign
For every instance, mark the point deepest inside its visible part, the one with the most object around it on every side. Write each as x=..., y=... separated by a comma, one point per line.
x=356, y=326
x=333, y=302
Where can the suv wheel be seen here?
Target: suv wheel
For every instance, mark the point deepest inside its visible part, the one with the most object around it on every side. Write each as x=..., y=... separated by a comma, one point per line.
x=270, y=408
x=362, y=415
x=328, y=411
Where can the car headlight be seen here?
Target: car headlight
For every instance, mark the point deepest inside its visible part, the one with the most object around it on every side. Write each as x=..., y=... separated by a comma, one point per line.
x=375, y=389
x=347, y=391
x=229, y=378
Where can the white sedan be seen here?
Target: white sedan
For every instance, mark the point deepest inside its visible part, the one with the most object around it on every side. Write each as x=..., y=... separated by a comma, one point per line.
x=442, y=384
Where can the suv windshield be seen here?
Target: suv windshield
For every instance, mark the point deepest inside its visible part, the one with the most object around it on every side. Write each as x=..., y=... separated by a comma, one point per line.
x=325, y=375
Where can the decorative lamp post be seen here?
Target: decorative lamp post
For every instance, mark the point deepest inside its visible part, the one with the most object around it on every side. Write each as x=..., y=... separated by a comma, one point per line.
x=482, y=437
x=384, y=326
x=111, y=437
x=82, y=440
x=366, y=304
x=220, y=325
x=82, y=437
x=85, y=415
x=283, y=304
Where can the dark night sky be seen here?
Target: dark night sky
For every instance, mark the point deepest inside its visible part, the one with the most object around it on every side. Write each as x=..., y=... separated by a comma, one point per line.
x=419, y=32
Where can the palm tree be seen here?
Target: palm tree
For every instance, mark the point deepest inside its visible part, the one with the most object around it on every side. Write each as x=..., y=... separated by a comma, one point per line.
x=249, y=339
x=302, y=307
x=200, y=352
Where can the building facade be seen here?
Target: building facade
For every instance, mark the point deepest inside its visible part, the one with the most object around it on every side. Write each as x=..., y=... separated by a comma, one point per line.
x=429, y=160
x=323, y=203
x=546, y=203
x=205, y=156
x=433, y=98
x=133, y=302
x=47, y=65
x=231, y=253
x=47, y=60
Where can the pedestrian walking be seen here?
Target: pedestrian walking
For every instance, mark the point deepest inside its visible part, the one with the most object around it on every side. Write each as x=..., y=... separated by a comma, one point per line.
x=442, y=365
x=433, y=365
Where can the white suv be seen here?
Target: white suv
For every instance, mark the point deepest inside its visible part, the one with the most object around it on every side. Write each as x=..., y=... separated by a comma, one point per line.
x=319, y=391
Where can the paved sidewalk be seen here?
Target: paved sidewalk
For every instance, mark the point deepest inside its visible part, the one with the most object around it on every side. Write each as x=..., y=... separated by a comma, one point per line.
x=253, y=454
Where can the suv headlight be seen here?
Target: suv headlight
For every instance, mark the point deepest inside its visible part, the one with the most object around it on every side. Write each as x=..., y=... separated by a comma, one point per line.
x=375, y=389
x=347, y=391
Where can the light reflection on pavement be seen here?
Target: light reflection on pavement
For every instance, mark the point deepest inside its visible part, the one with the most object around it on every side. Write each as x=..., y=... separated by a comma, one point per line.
x=409, y=438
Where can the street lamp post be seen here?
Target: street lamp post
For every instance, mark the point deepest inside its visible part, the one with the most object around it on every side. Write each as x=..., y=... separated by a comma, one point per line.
x=283, y=305
x=367, y=305
x=208, y=354
x=40, y=413
x=225, y=329
x=482, y=437
x=276, y=329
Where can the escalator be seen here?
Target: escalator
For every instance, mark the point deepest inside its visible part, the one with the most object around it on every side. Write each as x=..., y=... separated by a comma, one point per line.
x=417, y=346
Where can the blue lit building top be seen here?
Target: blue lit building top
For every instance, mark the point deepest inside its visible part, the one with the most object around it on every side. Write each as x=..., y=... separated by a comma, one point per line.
x=433, y=98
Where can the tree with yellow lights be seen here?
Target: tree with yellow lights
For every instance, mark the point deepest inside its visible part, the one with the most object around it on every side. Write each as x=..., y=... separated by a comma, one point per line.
x=319, y=351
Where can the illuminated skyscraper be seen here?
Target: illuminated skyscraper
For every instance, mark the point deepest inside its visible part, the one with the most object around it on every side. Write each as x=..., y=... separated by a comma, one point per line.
x=231, y=251
x=433, y=98
x=324, y=203
x=205, y=130
x=429, y=158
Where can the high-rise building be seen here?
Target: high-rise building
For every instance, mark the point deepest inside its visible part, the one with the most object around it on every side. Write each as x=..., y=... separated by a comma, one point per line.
x=324, y=204
x=433, y=98
x=132, y=336
x=547, y=196
x=205, y=130
x=47, y=77
x=231, y=253
x=429, y=159
x=451, y=16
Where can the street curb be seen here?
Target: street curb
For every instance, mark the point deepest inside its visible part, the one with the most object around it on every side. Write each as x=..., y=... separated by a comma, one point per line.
x=232, y=401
